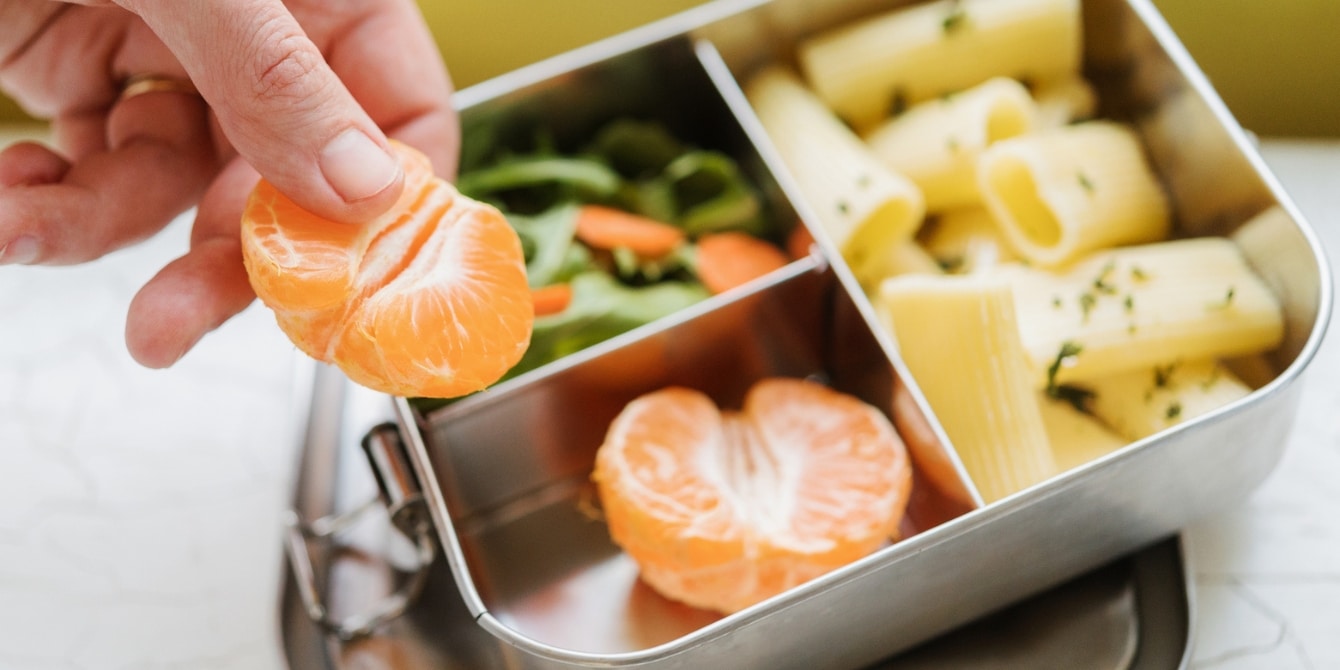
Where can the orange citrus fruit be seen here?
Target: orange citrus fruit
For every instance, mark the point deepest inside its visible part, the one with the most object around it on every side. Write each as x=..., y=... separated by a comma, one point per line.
x=722, y=509
x=427, y=300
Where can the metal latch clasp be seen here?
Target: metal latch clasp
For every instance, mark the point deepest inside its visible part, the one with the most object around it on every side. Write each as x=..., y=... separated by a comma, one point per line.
x=399, y=493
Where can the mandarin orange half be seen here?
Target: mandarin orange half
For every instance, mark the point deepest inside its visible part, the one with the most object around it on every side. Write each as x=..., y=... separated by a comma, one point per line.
x=722, y=509
x=427, y=300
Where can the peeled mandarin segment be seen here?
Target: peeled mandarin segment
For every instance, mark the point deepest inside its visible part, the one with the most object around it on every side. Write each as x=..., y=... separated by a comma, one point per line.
x=724, y=509
x=305, y=262
x=427, y=300
x=640, y=466
x=855, y=472
x=463, y=285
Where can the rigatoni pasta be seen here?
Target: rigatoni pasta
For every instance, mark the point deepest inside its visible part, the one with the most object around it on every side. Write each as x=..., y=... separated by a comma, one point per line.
x=868, y=70
x=1142, y=402
x=1137, y=307
x=1059, y=323
x=1076, y=437
x=971, y=368
x=903, y=258
x=936, y=144
x=966, y=240
x=1064, y=192
x=861, y=205
x=1064, y=102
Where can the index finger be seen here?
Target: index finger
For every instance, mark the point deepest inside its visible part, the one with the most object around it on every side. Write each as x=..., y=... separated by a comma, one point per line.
x=392, y=66
x=279, y=103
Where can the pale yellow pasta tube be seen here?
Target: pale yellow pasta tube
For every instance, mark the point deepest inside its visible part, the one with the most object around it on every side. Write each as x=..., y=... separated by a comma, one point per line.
x=1061, y=193
x=902, y=258
x=1063, y=102
x=1076, y=437
x=863, y=207
x=868, y=69
x=936, y=144
x=1267, y=239
x=1137, y=307
x=1142, y=402
x=965, y=241
x=960, y=340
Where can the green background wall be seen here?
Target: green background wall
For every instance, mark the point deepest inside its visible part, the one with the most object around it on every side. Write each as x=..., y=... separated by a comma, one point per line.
x=1275, y=62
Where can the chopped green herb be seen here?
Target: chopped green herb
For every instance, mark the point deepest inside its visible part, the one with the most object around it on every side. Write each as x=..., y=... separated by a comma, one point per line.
x=1084, y=182
x=952, y=144
x=1086, y=304
x=1079, y=397
x=898, y=103
x=842, y=206
x=1173, y=412
x=1056, y=302
x=955, y=19
x=1065, y=356
x=1130, y=328
x=1163, y=374
x=1101, y=284
x=1227, y=302
x=950, y=264
x=1129, y=303
x=1138, y=273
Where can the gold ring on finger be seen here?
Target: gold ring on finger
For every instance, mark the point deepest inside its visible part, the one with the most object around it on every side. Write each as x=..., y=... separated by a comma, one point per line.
x=140, y=84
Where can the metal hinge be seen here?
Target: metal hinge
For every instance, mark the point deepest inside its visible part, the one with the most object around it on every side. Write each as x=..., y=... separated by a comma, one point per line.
x=399, y=495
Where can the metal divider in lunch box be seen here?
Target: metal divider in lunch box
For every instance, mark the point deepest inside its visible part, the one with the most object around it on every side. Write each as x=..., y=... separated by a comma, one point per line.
x=502, y=475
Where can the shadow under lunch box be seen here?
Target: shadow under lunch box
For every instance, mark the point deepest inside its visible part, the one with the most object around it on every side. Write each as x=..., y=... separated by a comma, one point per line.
x=508, y=557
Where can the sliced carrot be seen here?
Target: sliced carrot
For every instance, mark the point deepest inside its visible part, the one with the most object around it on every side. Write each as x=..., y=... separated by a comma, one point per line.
x=799, y=241
x=608, y=228
x=551, y=299
x=726, y=260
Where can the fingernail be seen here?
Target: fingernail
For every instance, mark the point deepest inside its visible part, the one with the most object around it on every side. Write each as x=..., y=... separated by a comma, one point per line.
x=20, y=251
x=356, y=167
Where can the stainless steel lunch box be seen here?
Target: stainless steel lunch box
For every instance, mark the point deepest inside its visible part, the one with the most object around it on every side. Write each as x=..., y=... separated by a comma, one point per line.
x=499, y=481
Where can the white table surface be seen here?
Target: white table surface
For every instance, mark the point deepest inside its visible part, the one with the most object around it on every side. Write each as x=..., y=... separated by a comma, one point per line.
x=140, y=510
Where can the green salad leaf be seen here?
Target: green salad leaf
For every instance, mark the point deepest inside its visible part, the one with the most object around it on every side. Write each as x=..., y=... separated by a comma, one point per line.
x=547, y=240
x=636, y=149
x=602, y=308
x=532, y=184
x=712, y=195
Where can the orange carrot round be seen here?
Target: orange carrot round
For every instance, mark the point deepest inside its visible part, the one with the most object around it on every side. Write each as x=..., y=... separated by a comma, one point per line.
x=551, y=299
x=726, y=260
x=799, y=241
x=608, y=228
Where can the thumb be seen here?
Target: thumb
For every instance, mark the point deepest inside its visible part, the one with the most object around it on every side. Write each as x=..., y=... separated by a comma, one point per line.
x=279, y=103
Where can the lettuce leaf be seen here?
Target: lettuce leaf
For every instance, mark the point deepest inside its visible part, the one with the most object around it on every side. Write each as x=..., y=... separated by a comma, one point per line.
x=602, y=308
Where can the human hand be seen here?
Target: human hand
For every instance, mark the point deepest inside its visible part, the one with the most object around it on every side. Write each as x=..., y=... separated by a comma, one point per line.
x=280, y=86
